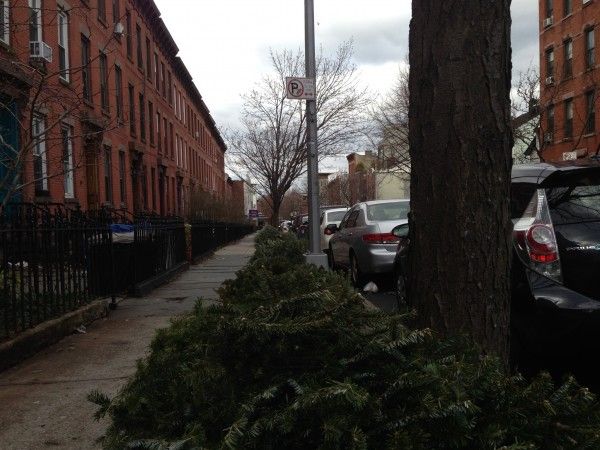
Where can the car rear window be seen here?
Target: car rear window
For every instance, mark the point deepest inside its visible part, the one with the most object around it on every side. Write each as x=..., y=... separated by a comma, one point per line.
x=388, y=211
x=335, y=216
x=575, y=203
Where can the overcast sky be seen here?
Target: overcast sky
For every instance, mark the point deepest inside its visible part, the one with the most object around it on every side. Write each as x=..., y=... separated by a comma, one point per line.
x=225, y=43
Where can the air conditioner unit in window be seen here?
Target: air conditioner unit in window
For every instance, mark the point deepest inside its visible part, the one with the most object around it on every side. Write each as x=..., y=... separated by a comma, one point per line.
x=550, y=80
x=548, y=21
x=548, y=137
x=40, y=50
x=586, y=1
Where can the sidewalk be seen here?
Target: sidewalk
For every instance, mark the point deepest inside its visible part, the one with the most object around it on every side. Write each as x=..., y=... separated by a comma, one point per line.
x=43, y=400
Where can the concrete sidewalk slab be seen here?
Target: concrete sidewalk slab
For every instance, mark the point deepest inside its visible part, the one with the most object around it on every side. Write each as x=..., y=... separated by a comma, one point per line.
x=43, y=400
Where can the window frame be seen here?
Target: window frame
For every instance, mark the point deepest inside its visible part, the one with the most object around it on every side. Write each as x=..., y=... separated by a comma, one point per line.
x=101, y=6
x=590, y=101
x=104, y=94
x=568, y=58
x=108, y=181
x=568, y=118
x=549, y=62
x=63, y=21
x=590, y=56
x=5, y=32
x=67, y=161
x=36, y=5
x=119, y=91
x=86, y=72
x=39, y=151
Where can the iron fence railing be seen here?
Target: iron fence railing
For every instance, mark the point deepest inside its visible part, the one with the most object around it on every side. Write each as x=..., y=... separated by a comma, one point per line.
x=55, y=259
x=208, y=236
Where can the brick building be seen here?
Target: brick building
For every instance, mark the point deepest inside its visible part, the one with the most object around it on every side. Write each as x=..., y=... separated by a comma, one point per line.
x=570, y=74
x=97, y=109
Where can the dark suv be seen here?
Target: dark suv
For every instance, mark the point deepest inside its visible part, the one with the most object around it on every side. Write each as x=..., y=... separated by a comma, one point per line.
x=556, y=264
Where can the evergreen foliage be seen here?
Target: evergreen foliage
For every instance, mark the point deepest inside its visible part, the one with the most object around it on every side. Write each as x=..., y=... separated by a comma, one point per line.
x=293, y=359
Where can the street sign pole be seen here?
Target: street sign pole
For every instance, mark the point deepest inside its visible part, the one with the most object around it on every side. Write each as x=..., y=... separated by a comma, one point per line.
x=315, y=254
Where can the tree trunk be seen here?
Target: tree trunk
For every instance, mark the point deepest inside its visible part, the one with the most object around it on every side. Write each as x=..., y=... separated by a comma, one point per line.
x=460, y=147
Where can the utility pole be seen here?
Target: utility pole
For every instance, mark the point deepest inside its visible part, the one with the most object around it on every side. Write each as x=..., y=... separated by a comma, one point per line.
x=315, y=254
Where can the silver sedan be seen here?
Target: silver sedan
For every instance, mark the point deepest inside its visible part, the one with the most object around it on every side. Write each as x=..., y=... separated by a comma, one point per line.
x=363, y=242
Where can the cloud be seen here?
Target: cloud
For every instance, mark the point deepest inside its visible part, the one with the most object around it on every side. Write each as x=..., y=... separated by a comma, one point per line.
x=374, y=42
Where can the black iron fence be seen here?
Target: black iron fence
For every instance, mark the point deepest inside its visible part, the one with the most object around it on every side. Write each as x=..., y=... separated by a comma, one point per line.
x=54, y=259
x=208, y=236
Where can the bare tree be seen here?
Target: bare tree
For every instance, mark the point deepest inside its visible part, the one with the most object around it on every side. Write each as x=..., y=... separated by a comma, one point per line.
x=460, y=145
x=525, y=114
x=390, y=117
x=271, y=145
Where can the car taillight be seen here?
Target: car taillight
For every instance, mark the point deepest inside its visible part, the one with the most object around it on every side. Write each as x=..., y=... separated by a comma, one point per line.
x=542, y=244
x=535, y=239
x=328, y=232
x=380, y=238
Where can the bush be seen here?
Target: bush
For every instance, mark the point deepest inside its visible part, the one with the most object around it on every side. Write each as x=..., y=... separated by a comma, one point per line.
x=296, y=360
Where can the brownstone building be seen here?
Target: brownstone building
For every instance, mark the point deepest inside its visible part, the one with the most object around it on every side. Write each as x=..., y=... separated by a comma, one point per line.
x=97, y=109
x=570, y=74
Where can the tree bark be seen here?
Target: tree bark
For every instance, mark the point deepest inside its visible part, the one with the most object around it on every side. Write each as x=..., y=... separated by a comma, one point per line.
x=460, y=147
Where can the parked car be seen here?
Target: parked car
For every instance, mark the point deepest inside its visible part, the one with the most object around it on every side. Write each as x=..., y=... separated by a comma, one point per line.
x=330, y=216
x=364, y=242
x=555, y=287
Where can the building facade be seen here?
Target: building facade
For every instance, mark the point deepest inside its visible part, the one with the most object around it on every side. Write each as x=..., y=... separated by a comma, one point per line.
x=569, y=78
x=97, y=109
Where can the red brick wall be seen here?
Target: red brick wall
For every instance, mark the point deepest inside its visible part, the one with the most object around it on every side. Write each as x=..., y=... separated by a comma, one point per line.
x=194, y=154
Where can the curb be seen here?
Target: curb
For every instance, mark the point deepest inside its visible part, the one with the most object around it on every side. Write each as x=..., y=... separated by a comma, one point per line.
x=31, y=341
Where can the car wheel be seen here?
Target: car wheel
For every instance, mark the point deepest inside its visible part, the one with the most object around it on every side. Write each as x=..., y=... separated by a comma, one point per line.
x=355, y=274
x=400, y=288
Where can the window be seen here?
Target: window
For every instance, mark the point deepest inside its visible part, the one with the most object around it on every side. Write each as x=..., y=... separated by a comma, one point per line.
x=164, y=79
x=158, y=133
x=153, y=187
x=589, y=48
x=166, y=146
x=148, y=60
x=119, y=92
x=86, y=79
x=131, y=110
x=102, y=10
x=4, y=22
x=140, y=58
x=568, y=58
x=590, y=100
x=40, y=164
x=35, y=20
x=151, y=122
x=67, y=160
x=108, y=189
x=550, y=63
x=122, y=172
x=170, y=93
x=142, y=117
x=63, y=44
x=116, y=11
x=569, y=118
x=156, y=77
x=103, y=82
x=550, y=121
x=171, y=143
x=549, y=8
x=128, y=32
x=568, y=7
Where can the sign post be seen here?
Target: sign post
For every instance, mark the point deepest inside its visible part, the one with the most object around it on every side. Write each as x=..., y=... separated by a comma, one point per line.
x=315, y=254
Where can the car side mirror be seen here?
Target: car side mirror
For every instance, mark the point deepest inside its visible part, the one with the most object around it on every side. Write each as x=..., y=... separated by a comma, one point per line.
x=401, y=231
